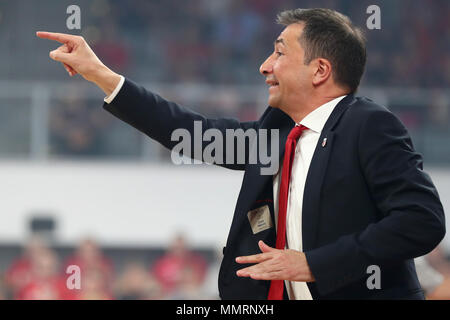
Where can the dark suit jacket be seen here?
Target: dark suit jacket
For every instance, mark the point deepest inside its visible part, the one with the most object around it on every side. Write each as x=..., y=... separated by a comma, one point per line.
x=367, y=200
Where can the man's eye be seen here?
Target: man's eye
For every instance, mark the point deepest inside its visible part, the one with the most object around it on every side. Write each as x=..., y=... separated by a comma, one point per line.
x=279, y=53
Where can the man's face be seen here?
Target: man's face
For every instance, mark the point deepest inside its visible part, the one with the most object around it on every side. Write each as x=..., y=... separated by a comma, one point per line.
x=286, y=74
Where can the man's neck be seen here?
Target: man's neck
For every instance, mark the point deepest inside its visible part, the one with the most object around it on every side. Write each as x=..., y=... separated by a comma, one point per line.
x=299, y=112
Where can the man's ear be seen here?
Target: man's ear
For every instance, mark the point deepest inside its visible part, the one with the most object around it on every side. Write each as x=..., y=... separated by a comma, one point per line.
x=322, y=71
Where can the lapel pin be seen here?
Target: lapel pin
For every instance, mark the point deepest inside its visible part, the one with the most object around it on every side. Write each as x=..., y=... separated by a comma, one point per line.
x=324, y=142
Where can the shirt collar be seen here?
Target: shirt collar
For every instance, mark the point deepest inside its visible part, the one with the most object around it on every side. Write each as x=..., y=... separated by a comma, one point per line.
x=316, y=119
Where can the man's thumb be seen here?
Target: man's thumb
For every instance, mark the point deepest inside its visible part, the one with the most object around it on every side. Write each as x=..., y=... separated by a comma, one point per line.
x=57, y=55
x=264, y=247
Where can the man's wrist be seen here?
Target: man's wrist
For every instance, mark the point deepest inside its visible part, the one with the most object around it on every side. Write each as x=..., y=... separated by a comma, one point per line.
x=309, y=274
x=107, y=80
x=109, y=99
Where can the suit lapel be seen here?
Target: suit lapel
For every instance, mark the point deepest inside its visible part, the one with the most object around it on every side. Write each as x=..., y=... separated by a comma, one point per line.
x=277, y=120
x=256, y=185
x=316, y=174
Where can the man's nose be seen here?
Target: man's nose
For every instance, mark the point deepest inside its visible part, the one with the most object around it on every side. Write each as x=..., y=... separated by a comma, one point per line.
x=266, y=67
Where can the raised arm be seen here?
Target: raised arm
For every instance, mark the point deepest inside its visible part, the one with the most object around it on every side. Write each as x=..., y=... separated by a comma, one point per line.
x=141, y=108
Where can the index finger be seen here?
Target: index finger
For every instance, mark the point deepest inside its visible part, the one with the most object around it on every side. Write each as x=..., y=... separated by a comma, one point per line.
x=60, y=37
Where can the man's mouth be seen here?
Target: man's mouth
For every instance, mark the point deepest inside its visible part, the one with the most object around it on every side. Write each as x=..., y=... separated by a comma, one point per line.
x=272, y=83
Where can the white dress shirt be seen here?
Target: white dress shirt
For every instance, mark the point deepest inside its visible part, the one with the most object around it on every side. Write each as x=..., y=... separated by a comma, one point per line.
x=304, y=151
x=314, y=121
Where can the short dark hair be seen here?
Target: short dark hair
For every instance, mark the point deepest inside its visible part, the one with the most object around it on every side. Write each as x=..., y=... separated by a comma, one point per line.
x=331, y=35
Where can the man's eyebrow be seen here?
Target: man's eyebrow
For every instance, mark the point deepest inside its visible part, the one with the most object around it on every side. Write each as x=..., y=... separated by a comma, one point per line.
x=280, y=40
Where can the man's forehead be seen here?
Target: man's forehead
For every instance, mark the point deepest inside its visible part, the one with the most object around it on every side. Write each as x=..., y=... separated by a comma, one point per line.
x=290, y=34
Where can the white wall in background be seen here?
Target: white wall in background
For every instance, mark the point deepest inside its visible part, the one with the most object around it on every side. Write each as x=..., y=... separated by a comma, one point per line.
x=131, y=203
x=120, y=203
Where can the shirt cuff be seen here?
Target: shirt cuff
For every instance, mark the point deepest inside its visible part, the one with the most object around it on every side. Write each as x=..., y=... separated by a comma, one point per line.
x=111, y=97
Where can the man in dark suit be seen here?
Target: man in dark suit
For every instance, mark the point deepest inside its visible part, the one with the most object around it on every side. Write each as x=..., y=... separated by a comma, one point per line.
x=351, y=206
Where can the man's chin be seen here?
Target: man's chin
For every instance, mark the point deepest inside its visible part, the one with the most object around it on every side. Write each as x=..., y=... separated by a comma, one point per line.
x=274, y=103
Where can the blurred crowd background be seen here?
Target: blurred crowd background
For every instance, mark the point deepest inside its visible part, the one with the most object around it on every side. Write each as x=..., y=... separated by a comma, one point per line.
x=204, y=54
x=39, y=270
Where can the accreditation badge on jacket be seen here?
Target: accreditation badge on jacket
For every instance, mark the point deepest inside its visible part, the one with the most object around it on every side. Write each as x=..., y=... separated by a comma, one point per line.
x=260, y=219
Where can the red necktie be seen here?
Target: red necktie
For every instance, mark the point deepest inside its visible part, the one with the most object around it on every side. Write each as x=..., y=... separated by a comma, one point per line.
x=277, y=286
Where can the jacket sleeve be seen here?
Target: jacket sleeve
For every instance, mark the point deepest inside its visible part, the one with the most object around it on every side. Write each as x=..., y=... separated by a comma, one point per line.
x=160, y=119
x=412, y=222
